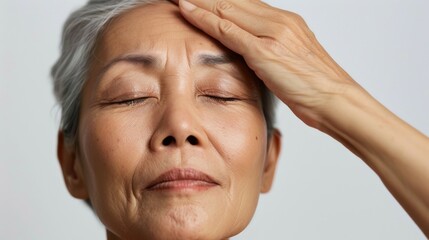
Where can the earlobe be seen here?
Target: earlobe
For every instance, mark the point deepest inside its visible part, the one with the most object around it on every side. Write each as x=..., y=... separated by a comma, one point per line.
x=71, y=168
x=273, y=152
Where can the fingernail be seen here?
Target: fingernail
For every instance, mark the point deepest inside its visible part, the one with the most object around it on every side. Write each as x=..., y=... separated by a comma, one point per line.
x=187, y=5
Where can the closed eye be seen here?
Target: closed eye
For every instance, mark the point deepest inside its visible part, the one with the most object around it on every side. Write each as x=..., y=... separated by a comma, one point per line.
x=131, y=102
x=221, y=99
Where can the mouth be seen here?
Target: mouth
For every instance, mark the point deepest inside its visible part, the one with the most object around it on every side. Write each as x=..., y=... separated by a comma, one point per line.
x=182, y=179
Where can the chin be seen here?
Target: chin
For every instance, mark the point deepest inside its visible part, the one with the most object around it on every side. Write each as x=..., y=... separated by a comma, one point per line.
x=184, y=222
x=179, y=223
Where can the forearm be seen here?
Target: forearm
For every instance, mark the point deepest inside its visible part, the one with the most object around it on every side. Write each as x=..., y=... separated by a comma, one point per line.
x=397, y=152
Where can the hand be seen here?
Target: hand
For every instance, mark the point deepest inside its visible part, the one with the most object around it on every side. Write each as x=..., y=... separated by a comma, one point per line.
x=279, y=47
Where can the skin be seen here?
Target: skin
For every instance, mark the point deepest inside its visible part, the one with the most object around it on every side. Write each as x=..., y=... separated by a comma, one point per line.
x=152, y=104
x=280, y=48
x=286, y=56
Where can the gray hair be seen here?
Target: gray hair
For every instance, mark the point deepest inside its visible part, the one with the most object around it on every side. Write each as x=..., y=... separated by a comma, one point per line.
x=79, y=37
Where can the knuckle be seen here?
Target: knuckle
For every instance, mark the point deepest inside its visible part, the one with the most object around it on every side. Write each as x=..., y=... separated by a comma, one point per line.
x=225, y=27
x=260, y=47
x=296, y=17
x=287, y=16
x=310, y=34
x=222, y=6
x=204, y=17
x=267, y=46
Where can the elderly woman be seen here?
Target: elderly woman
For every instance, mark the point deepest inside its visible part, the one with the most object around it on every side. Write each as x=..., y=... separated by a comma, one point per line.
x=167, y=114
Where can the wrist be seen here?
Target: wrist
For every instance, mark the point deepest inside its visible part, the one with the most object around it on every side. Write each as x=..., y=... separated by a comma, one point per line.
x=359, y=122
x=369, y=129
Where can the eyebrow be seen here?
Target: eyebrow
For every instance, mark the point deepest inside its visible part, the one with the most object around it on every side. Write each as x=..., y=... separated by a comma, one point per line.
x=150, y=61
x=210, y=60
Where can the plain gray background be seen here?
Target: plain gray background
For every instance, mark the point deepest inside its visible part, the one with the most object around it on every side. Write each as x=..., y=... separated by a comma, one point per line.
x=321, y=190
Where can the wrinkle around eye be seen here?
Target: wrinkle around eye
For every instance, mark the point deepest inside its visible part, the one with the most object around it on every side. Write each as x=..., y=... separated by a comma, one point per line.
x=131, y=102
x=122, y=89
x=226, y=84
x=227, y=95
x=228, y=99
x=125, y=100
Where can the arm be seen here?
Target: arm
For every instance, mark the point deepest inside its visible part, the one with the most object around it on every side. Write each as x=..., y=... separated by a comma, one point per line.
x=284, y=53
x=397, y=152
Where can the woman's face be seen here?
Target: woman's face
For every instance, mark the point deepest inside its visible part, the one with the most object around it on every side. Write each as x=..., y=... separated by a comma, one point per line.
x=172, y=141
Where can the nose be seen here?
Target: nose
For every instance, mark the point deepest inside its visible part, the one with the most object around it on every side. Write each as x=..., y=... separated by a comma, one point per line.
x=179, y=126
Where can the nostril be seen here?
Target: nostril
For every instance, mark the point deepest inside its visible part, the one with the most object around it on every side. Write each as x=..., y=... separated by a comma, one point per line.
x=168, y=140
x=192, y=140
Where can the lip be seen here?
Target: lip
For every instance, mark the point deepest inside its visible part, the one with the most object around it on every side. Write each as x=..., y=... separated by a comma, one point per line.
x=182, y=179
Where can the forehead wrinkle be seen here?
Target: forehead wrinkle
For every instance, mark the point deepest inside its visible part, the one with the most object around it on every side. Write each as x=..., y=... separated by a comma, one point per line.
x=188, y=50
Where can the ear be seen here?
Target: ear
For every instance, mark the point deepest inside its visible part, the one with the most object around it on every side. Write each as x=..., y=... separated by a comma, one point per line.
x=71, y=168
x=273, y=152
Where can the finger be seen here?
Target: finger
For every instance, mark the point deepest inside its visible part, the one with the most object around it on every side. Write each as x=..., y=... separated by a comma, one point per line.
x=260, y=19
x=255, y=8
x=255, y=17
x=256, y=25
x=225, y=31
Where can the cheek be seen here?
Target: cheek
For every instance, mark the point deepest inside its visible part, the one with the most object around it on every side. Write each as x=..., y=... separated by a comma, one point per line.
x=111, y=148
x=247, y=157
x=240, y=138
x=106, y=140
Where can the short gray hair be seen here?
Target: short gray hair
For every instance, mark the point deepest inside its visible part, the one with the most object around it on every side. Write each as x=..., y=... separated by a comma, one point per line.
x=79, y=37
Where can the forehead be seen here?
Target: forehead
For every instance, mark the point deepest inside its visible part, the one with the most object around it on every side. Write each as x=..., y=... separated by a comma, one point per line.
x=153, y=27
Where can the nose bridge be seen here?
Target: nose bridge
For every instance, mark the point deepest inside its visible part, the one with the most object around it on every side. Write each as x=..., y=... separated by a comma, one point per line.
x=179, y=122
x=179, y=115
x=177, y=99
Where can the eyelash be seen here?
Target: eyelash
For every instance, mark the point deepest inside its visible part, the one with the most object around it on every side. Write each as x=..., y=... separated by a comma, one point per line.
x=131, y=102
x=221, y=99
x=135, y=101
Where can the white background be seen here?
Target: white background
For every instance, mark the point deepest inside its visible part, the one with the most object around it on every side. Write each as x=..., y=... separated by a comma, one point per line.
x=321, y=191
